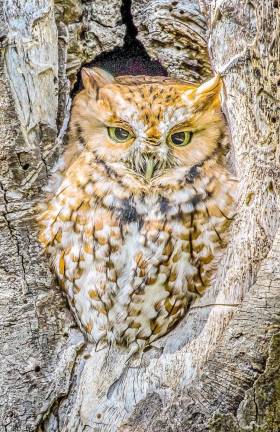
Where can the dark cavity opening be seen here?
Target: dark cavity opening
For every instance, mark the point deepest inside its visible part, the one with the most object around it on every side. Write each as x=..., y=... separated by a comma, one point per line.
x=130, y=59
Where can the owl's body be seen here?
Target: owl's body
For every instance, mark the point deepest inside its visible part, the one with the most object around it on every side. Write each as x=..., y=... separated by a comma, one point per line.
x=137, y=224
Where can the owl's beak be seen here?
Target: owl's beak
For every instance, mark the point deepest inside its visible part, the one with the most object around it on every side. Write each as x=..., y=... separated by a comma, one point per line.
x=150, y=168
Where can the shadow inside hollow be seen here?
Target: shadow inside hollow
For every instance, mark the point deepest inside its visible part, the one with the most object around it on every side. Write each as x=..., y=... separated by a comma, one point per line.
x=130, y=59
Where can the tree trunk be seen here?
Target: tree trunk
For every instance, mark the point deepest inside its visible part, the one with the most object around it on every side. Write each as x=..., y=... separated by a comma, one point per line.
x=218, y=369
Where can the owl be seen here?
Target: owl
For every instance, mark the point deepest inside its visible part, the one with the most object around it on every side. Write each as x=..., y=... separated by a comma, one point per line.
x=141, y=205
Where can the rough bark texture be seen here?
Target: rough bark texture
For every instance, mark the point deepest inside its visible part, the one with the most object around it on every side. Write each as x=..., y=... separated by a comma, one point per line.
x=174, y=32
x=41, y=54
x=218, y=370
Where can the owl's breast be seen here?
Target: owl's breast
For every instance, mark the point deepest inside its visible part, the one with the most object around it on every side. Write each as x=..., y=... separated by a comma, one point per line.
x=152, y=268
x=137, y=277
x=131, y=264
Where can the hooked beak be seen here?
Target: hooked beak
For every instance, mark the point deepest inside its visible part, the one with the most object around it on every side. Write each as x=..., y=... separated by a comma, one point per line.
x=150, y=168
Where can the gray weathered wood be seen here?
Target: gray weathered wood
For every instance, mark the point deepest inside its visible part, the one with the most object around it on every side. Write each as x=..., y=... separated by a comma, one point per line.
x=175, y=33
x=39, y=340
x=52, y=379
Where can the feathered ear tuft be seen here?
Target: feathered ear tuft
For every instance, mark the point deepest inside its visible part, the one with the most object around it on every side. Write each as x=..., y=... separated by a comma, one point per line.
x=213, y=86
x=95, y=78
x=205, y=95
x=208, y=93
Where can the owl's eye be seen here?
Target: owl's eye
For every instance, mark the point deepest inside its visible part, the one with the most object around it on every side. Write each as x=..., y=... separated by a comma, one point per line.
x=119, y=134
x=181, y=138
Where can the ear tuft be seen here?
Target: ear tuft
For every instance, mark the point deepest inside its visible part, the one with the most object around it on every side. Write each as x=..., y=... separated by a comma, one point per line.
x=211, y=86
x=95, y=78
x=207, y=94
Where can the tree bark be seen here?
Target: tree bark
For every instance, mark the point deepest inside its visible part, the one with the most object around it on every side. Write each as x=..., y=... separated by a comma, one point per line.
x=217, y=370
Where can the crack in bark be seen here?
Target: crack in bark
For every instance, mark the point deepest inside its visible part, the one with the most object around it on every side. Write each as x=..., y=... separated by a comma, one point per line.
x=13, y=236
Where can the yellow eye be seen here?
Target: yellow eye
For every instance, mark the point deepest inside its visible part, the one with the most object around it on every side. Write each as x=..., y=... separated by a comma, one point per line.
x=181, y=139
x=119, y=134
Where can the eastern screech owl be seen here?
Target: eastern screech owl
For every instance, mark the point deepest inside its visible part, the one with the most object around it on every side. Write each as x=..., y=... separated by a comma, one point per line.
x=140, y=217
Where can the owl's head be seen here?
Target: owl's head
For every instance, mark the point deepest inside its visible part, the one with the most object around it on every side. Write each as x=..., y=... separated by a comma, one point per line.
x=149, y=125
